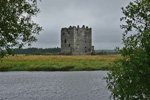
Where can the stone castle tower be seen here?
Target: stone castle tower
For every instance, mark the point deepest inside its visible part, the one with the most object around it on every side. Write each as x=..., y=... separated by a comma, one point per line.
x=76, y=41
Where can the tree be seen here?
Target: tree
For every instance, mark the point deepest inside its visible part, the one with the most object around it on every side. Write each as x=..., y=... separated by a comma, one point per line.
x=130, y=79
x=16, y=25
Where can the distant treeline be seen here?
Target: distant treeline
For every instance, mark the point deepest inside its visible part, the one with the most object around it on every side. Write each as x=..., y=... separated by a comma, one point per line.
x=37, y=51
x=106, y=52
x=56, y=51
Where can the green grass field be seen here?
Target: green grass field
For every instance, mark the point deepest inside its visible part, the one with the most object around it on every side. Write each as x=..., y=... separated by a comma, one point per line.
x=57, y=63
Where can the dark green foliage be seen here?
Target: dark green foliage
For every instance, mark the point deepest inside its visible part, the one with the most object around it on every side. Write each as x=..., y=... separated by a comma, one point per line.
x=130, y=79
x=106, y=52
x=101, y=53
x=38, y=51
x=16, y=25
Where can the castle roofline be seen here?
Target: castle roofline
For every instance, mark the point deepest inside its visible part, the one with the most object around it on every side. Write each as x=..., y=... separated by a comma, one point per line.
x=78, y=27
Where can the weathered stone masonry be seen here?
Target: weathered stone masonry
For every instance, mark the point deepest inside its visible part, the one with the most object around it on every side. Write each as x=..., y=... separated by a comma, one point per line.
x=76, y=41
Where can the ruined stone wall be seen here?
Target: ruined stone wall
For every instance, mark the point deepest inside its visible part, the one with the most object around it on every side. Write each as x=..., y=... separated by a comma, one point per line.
x=76, y=41
x=67, y=38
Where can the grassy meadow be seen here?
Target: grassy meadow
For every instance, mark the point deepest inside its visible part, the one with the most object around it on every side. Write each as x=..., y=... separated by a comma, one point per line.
x=57, y=63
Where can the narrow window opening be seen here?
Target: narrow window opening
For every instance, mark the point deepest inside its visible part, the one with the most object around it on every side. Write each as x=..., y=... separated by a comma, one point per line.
x=65, y=41
x=69, y=45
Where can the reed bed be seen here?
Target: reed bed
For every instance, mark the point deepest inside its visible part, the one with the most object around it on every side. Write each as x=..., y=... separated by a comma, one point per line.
x=57, y=63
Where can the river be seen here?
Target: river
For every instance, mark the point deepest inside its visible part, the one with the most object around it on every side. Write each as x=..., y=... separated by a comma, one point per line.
x=82, y=85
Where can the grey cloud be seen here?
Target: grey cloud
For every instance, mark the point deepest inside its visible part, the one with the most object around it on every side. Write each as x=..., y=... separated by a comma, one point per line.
x=103, y=16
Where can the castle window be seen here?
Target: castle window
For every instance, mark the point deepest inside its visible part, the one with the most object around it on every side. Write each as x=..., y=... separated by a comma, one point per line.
x=85, y=47
x=63, y=33
x=85, y=41
x=69, y=45
x=65, y=41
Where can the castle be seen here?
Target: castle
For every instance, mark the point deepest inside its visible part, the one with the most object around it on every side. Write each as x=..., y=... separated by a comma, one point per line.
x=76, y=41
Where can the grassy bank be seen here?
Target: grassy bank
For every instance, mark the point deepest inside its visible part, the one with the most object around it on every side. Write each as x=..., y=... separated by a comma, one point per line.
x=57, y=63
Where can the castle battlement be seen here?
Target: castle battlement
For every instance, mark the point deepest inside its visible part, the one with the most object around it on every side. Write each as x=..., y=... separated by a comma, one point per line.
x=76, y=40
x=85, y=28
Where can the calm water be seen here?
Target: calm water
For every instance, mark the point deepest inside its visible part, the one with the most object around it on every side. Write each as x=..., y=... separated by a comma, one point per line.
x=53, y=86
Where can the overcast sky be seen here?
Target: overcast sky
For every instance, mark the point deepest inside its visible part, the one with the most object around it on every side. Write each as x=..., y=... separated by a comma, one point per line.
x=103, y=16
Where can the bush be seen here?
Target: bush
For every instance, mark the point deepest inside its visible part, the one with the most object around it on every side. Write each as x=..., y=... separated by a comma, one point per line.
x=130, y=79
